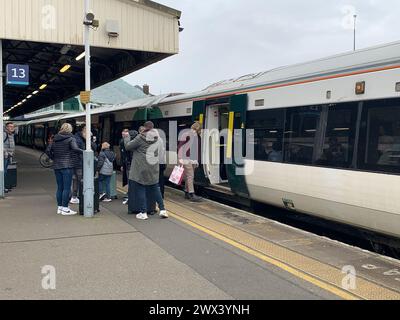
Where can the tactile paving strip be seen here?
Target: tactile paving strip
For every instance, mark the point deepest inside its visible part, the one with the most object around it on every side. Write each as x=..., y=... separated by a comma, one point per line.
x=311, y=270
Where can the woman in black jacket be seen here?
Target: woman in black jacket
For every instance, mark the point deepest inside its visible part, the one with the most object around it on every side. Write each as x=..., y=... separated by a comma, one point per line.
x=62, y=151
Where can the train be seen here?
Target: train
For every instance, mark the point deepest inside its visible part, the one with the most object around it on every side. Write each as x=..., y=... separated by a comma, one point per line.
x=324, y=136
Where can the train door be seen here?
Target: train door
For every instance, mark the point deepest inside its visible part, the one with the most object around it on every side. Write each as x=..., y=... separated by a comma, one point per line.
x=226, y=127
x=214, y=143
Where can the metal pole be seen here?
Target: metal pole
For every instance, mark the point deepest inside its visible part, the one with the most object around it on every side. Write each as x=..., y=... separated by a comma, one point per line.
x=88, y=155
x=355, y=19
x=1, y=124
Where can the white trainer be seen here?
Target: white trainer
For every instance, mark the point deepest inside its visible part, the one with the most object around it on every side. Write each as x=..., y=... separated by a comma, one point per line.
x=74, y=200
x=59, y=210
x=142, y=216
x=68, y=212
x=164, y=214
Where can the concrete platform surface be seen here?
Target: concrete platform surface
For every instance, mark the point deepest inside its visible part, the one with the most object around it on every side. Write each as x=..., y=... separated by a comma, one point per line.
x=204, y=251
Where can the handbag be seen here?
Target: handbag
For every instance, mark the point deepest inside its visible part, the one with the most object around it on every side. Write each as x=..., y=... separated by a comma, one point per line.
x=176, y=176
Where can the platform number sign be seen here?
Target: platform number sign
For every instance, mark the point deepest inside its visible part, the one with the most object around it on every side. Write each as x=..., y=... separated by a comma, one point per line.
x=17, y=74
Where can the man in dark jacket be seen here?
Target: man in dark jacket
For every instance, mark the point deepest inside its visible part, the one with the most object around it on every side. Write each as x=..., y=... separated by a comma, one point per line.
x=9, y=147
x=126, y=160
x=80, y=138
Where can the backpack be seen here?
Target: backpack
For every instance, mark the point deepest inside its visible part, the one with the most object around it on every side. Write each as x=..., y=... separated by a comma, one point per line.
x=108, y=168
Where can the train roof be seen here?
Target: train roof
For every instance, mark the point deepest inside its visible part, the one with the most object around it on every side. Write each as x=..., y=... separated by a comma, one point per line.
x=373, y=57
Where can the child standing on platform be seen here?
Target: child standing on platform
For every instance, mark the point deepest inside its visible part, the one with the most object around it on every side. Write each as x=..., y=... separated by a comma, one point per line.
x=105, y=167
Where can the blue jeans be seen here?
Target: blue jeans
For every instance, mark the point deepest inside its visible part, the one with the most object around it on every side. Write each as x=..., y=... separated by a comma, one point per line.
x=107, y=181
x=153, y=192
x=64, y=183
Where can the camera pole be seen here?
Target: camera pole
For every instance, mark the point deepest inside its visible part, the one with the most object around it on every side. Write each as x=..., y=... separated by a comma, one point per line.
x=88, y=155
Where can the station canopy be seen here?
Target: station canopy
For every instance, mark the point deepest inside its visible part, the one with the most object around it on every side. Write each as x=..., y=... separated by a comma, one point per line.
x=49, y=38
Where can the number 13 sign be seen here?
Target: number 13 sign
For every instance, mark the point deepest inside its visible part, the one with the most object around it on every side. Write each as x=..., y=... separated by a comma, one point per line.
x=17, y=74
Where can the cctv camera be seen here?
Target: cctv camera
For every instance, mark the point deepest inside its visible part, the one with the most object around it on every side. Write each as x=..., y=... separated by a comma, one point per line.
x=90, y=16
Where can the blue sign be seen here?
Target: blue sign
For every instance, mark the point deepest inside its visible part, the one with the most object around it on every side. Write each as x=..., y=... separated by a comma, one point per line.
x=17, y=75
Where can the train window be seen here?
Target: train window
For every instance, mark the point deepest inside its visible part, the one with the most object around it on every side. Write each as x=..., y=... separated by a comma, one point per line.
x=338, y=143
x=301, y=129
x=268, y=126
x=381, y=136
x=182, y=123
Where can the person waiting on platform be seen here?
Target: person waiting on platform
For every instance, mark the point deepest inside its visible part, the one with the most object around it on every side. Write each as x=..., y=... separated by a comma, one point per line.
x=144, y=172
x=105, y=166
x=80, y=138
x=62, y=151
x=189, y=154
x=126, y=160
x=9, y=148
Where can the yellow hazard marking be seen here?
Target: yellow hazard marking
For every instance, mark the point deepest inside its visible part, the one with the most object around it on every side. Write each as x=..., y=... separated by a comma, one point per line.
x=230, y=135
x=320, y=274
x=201, y=119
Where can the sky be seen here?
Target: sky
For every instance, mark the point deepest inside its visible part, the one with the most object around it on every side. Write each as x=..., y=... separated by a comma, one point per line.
x=224, y=39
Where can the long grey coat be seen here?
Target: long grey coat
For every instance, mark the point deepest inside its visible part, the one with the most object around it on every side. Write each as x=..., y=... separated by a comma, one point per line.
x=145, y=167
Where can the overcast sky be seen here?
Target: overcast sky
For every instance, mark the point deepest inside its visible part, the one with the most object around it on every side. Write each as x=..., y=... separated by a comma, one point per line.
x=229, y=38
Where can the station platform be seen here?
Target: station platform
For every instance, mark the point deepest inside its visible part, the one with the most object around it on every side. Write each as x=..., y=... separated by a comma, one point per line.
x=204, y=251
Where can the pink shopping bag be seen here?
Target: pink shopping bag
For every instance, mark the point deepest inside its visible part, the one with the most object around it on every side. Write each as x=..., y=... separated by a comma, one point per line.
x=177, y=175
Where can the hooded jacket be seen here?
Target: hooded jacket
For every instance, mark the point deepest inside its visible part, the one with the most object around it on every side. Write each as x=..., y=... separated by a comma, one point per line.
x=62, y=151
x=78, y=157
x=145, y=167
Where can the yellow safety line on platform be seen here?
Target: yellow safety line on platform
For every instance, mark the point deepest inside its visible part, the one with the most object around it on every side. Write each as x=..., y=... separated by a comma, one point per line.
x=336, y=291
x=324, y=276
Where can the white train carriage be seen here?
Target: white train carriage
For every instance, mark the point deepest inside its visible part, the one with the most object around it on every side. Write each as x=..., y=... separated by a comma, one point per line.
x=326, y=136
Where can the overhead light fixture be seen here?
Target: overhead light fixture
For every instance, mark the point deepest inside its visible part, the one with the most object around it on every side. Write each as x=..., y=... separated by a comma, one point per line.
x=23, y=100
x=35, y=92
x=82, y=55
x=65, y=68
x=43, y=86
x=19, y=103
x=28, y=97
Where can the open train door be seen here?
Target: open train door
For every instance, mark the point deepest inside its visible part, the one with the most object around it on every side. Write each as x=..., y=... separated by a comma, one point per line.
x=198, y=114
x=237, y=133
x=224, y=124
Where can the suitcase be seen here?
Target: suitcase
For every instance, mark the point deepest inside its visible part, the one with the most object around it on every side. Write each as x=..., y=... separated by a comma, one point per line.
x=96, y=197
x=11, y=177
x=113, y=186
